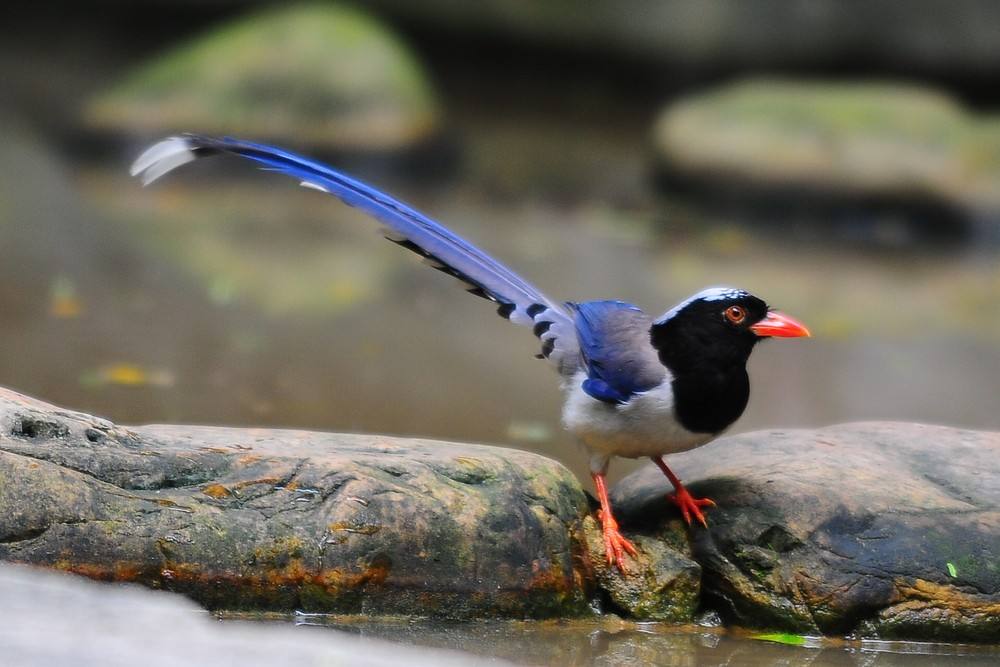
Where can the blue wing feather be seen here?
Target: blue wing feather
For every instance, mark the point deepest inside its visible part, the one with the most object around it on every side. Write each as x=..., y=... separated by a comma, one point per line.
x=604, y=392
x=613, y=339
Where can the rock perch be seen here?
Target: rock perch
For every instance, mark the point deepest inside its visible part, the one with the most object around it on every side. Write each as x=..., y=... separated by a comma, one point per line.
x=283, y=520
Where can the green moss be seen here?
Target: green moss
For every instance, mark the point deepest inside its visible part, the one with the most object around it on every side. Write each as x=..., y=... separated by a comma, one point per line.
x=322, y=74
x=882, y=110
x=872, y=137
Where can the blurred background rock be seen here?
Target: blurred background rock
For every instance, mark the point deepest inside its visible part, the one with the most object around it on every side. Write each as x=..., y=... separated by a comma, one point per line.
x=838, y=158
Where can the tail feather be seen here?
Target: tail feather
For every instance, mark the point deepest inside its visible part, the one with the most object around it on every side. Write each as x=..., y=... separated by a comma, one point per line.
x=482, y=275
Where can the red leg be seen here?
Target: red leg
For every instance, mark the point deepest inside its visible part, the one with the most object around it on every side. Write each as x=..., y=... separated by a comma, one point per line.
x=615, y=545
x=689, y=504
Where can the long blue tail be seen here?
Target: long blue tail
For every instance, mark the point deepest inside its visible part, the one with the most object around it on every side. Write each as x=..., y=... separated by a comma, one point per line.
x=484, y=276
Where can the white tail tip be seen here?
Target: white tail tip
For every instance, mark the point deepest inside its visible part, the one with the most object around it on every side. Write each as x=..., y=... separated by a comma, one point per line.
x=313, y=186
x=162, y=158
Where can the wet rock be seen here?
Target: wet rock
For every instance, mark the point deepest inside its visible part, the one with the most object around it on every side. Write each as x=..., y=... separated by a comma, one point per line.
x=874, y=144
x=282, y=520
x=324, y=76
x=663, y=582
x=876, y=528
x=51, y=620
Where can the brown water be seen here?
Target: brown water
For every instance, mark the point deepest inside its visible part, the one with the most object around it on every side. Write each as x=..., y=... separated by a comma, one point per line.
x=619, y=643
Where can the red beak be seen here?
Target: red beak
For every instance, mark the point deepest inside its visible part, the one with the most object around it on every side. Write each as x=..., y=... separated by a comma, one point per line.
x=779, y=325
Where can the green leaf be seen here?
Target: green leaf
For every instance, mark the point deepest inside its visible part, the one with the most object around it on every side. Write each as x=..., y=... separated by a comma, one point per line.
x=781, y=638
x=951, y=569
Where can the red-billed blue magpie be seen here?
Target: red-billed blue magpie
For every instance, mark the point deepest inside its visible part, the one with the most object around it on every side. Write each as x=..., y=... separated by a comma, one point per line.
x=635, y=386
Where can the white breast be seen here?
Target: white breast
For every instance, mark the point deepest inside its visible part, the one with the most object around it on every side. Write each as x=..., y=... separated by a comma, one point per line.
x=645, y=426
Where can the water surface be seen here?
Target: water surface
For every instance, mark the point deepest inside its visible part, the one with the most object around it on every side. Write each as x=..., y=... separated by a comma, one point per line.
x=615, y=642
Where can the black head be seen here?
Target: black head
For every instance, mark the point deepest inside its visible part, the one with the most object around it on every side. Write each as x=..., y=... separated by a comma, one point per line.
x=714, y=327
x=705, y=342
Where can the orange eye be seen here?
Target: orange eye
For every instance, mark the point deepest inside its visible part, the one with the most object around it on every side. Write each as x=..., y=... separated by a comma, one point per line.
x=735, y=314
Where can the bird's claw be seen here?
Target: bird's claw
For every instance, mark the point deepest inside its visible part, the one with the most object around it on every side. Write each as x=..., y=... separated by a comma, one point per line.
x=689, y=505
x=615, y=544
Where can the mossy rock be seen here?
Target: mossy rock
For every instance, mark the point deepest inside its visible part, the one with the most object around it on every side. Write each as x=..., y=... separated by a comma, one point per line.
x=856, y=138
x=874, y=529
x=326, y=76
x=277, y=520
x=663, y=583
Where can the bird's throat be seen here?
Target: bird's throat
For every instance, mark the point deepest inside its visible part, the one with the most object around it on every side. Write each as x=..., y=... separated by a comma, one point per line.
x=709, y=402
x=709, y=368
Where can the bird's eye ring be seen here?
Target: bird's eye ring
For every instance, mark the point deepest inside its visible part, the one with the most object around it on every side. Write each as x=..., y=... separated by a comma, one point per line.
x=735, y=314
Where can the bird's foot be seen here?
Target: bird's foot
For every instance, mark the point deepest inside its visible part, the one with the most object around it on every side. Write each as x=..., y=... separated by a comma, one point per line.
x=615, y=544
x=690, y=506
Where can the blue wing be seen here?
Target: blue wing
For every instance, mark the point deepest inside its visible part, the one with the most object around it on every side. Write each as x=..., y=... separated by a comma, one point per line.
x=516, y=299
x=614, y=344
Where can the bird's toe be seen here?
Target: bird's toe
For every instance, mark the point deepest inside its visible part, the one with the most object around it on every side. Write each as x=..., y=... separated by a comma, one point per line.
x=690, y=506
x=616, y=545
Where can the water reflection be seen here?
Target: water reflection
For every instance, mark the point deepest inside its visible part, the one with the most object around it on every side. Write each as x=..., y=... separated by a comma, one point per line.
x=615, y=642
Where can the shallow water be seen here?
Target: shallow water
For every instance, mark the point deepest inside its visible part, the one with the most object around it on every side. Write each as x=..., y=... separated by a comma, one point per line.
x=615, y=642
x=241, y=299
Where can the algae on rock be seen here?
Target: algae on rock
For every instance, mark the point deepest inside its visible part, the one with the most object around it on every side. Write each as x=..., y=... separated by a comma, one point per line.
x=858, y=138
x=326, y=76
x=663, y=582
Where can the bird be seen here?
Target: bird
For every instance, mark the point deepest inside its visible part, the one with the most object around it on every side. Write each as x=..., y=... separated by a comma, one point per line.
x=634, y=386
